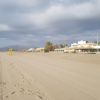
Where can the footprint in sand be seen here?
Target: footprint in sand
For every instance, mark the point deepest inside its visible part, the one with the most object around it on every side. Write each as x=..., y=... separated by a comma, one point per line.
x=7, y=96
x=13, y=92
x=22, y=90
x=40, y=95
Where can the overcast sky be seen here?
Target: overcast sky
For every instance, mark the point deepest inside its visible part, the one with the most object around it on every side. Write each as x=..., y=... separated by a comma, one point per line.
x=33, y=22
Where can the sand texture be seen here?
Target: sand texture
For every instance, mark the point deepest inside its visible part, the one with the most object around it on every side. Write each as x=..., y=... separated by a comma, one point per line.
x=49, y=76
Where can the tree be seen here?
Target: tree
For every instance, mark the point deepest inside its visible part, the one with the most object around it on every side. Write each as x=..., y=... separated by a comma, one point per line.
x=63, y=45
x=98, y=43
x=56, y=46
x=48, y=47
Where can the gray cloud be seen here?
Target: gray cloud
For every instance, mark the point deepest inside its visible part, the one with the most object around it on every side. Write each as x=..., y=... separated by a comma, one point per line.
x=34, y=22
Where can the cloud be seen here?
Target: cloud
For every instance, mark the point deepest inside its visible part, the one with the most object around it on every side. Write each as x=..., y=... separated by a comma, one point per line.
x=27, y=21
x=66, y=16
x=4, y=27
x=62, y=12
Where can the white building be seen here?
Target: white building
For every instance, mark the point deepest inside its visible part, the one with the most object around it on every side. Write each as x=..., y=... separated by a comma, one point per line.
x=60, y=49
x=30, y=50
x=83, y=46
x=82, y=42
x=39, y=50
x=79, y=43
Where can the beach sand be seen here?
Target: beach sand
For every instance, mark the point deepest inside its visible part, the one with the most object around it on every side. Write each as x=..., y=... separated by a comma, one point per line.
x=49, y=76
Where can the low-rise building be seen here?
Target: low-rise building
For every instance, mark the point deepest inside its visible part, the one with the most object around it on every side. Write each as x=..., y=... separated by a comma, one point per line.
x=31, y=50
x=39, y=50
x=60, y=50
x=85, y=47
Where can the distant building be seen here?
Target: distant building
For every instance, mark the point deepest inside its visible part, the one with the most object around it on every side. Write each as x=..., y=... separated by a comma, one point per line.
x=35, y=50
x=80, y=47
x=39, y=50
x=85, y=47
x=31, y=50
x=60, y=49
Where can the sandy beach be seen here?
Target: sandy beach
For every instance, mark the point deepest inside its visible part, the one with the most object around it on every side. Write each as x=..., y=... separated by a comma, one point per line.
x=49, y=76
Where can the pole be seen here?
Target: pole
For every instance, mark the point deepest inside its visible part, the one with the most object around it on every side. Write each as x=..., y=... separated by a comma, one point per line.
x=97, y=43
